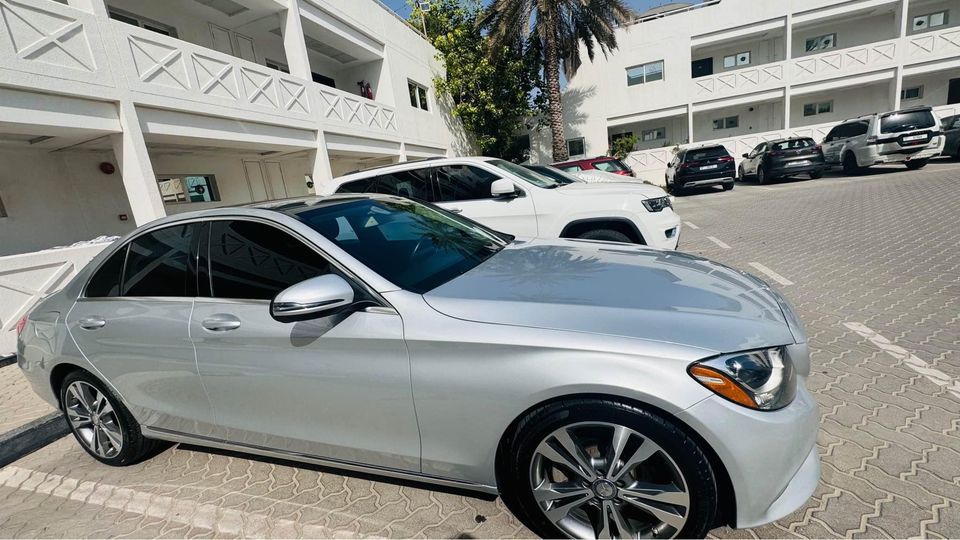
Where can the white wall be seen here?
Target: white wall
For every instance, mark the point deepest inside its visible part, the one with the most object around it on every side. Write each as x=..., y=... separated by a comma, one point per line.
x=57, y=198
x=923, y=7
x=850, y=32
x=763, y=117
x=935, y=87
x=675, y=127
x=762, y=51
x=847, y=103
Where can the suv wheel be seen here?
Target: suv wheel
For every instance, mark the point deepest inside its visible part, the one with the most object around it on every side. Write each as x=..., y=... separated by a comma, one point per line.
x=916, y=164
x=101, y=424
x=591, y=468
x=850, y=165
x=728, y=186
x=608, y=235
x=762, y=175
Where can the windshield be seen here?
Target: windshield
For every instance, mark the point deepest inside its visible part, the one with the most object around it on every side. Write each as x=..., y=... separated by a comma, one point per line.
x=554, y=173
x=795, y=144
x=533, y=177
x=610, y=165
x=905, y=121
x=414, y=246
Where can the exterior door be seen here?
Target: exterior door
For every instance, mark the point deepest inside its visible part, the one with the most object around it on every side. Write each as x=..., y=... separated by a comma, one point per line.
x=256, y=181
x=701, y=68
x=953, y=92
x=221, y=39
x=832, y=144
x=752, y=163
x=465, y=189
x=132, y=325
x=335, y=387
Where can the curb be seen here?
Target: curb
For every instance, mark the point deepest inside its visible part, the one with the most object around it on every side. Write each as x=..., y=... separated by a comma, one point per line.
x=8, y=360
x=31, y=437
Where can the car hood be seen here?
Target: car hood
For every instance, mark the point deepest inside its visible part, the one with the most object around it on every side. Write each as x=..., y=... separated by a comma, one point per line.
x=622, y=188
x=616, y=289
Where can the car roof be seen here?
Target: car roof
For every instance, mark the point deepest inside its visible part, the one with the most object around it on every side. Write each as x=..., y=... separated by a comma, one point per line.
x=410, y=165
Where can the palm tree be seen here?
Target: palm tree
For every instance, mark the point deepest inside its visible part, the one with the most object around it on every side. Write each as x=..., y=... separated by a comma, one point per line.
x=557, y=28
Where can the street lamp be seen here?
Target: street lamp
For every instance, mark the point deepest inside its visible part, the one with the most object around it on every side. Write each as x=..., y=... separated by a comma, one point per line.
x=424, y=6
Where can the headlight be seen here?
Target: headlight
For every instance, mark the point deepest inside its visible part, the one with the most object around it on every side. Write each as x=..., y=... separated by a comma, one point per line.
x=763, y=380
x=658, y=204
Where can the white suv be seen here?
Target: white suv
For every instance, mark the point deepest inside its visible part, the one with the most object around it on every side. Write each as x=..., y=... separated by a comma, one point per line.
x=910, y=136
x=516, y=200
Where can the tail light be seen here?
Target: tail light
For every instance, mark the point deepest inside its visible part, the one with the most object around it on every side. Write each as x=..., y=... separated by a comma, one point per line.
x=624, y=173
x=725, y=159
x=21, y=324
x=872, y=139
x=774, y=153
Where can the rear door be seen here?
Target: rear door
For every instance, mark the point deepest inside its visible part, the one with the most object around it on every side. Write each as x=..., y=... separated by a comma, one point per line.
x=465, y=189
x=833, y=142
x=132, y=325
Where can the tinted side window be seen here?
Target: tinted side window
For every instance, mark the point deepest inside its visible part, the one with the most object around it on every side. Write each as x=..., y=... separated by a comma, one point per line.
x=158, y=263
x=250, y=260
x=410, y=184
x=832, y=134
x=106, y=282
x=357, y=186
x=464, y=183
x=858, y=128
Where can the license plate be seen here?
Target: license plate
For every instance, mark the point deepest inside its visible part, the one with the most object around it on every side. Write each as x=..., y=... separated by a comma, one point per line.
x=708, y=167
x=798, y=163
x=915, y=138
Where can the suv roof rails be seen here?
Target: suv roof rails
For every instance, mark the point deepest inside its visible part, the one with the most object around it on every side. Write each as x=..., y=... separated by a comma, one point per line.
x=431, y=158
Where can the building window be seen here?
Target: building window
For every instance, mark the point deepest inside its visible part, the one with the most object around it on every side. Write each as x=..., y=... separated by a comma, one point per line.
x=645, y=73
x=914, y=92
x=576, y=147
x=930, y=20
x=739, y=59
x=147, y=24
x=813, y=109
x=418, y=95
x=653, y=134
x=188, y=188
x=279, y=66
x=820, y=43
x=726, y=123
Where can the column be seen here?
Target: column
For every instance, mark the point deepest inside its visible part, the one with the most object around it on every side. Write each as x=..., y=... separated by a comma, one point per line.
x=322, y=173
x=787, y=69
x=97, y=7
x=689, y=123
x=902, y=17
x=896, y=86
x=291, y=27
x=403, y=152
x=139, y=181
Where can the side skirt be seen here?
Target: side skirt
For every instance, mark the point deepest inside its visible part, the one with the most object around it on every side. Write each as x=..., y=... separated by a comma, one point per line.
x=177, y=437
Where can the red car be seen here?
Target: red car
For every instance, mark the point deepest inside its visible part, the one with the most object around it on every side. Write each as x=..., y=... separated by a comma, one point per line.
x=601, y=163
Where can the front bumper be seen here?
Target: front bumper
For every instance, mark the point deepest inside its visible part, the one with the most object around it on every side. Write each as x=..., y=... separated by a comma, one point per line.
x=660, y=229
x=770, y=456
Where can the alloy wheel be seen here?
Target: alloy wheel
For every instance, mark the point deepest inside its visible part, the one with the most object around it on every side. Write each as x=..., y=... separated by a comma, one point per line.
x=93, y=419
x=604, y=480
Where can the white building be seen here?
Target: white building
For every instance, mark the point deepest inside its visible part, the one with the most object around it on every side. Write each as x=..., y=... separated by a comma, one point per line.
x=116, y=112
x=742, y=71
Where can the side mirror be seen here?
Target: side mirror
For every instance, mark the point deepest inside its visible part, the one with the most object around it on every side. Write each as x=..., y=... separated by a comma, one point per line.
x=669, y=164
x=746, y=155
x=503, y=188
x=316, y=297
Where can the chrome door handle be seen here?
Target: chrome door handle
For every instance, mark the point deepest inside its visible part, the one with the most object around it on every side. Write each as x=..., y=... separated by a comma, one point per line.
x=455, y=210
x=93, y=322
x=221, y=322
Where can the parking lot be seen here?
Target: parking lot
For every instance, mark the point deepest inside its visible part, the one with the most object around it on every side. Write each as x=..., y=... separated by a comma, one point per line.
x=872, y=264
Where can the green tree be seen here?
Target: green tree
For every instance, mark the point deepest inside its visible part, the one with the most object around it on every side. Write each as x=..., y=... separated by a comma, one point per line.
x=557, y=28
x=493, y=90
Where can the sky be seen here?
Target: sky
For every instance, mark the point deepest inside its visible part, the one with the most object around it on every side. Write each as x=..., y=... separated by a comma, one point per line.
x=400, y=6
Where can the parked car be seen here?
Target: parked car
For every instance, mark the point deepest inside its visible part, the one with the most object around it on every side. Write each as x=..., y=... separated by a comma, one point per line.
x=951, y=133
x=517, y=200
x=600, y=163
x=701, y=166
x=782, y=158
x=909, y=136
x=600, y=389
x=556, y=174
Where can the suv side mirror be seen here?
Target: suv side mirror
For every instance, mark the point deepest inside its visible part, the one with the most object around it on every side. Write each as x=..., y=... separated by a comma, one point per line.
x=746, y=155
x=316, y=297
x=503, y=188
x=669, y=164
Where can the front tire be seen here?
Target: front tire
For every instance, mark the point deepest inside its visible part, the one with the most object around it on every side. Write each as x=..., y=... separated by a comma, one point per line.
x=762, y=175
x=607, y=235
x=595, y=468
x=100, y=422
x=916, y=164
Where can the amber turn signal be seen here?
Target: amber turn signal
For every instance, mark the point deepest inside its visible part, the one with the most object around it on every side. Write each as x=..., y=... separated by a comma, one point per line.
x=722, y=385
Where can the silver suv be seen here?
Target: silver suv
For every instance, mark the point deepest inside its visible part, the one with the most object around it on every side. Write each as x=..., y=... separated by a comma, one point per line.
x=909, y=136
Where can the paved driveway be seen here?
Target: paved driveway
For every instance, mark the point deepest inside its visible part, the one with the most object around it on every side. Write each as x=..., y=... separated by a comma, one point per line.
x=872, y=264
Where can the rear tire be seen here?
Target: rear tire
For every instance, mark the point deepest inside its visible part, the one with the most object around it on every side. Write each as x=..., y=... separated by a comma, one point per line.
x=762, y=175
x=728, y=186
x=816, y=175
x=101, y=424
x=529, y=459
x=607, y=235
x=850, y=166
x=916, y=164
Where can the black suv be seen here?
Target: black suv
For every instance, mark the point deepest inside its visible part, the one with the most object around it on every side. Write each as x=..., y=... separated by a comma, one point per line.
x=703, y=166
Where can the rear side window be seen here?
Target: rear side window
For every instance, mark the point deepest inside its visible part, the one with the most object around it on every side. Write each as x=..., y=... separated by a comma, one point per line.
x=906, y=121
x=357, y=186
x=106, y=281
x=158, y=263
x=796, y=144
x=711, y=152
x=254, y=261
x=858, y=128
x=609, y=166
x=413, y=184
x=570, y=168
x=464, y=183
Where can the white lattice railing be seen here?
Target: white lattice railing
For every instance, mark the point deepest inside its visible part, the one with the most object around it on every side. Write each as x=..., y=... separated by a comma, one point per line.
x=741, y=81
x=342, y=107
x=847, y=61
x=26, y=278
x=933, y=45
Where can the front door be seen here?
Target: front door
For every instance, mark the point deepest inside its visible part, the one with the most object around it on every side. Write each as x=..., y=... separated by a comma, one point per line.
x=953, y=92
x=132, y=325
x=465, y=189
x=336, y=387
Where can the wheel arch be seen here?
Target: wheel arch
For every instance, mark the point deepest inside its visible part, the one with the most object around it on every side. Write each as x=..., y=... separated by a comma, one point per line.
x=619, y=224
x=726, y=496
x=59, y=373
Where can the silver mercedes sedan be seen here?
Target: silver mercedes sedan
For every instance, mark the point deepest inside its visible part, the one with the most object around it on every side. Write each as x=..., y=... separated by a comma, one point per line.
x=603, y=390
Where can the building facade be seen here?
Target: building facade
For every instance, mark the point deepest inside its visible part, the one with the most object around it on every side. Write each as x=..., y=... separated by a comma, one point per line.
x=114, y=113
x=738, y=72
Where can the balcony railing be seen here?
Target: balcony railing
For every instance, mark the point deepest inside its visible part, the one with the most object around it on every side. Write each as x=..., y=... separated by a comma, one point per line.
x=865, y=58
x=741, y=81
x=933, y=45
x=342, y=107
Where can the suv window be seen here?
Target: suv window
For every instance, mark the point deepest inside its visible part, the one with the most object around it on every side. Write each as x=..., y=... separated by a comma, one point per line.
x=710, y=152
x=906, y=121
x=357, y=186
x=158, y=263
x=106, y=281
x=413, y=184
x=255, y=261
x=464, y=183
x=857, y=129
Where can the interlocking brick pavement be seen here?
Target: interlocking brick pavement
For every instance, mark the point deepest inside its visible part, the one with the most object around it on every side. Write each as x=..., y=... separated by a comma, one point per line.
x=18, y=402
x=882, y=250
